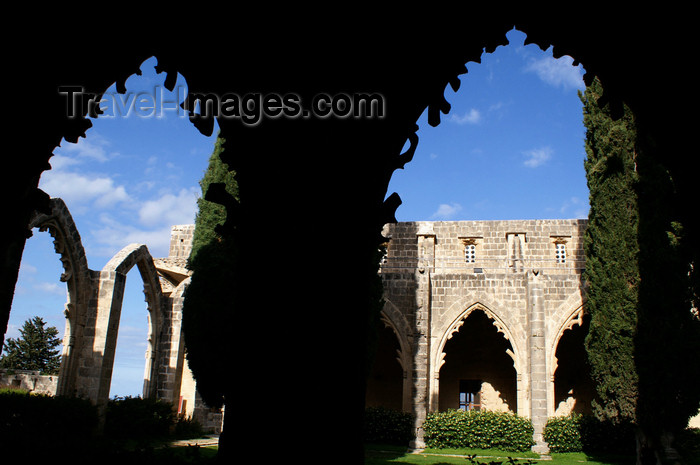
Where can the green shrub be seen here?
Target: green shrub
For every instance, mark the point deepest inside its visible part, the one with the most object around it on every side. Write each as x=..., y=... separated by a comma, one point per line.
x=44, y=423
x=388, y=426
x=187, y=428
x=138, y=419
x=688, y=442
x=585, y=433
x=478, y=429
x=563, y=434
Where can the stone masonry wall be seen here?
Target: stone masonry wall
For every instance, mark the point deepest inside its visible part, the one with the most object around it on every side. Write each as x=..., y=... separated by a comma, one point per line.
x=181, y=241
x=29, y=380
x=525, y=275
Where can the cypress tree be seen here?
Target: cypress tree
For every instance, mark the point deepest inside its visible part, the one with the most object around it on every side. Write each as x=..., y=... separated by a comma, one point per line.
x=644, y=339
x=208, y=302
x=612, y=257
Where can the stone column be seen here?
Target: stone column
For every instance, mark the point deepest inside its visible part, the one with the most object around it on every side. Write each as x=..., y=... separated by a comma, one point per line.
x=109, y=306
x=421, y=348
x=538, y=361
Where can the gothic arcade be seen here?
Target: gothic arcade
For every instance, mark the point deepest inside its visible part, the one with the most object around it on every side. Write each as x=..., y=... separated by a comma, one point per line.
x=483, y=315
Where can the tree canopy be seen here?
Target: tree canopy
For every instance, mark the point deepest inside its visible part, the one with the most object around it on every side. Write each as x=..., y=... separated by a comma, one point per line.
x=37, y=348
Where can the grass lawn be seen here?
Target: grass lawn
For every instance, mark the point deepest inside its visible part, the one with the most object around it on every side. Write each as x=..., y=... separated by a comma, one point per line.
x=390, y=455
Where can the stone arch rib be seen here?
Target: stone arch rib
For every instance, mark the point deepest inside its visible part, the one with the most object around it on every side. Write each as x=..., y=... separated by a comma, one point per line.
x=59, y=223
x=111, y=293
x=392, y=318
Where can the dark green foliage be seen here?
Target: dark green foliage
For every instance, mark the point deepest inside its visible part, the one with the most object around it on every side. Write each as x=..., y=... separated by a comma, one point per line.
x=210, y=296
x=38, y=348
x=668, y=334
x=39, y=423
x=478, y=429
x=144, y=420
x=187, y=428
x=644, y=341
x=388, y=426
x=612, y=258
x=37, y=426
x=688, y=443
x=586, y=433
x=210, y=215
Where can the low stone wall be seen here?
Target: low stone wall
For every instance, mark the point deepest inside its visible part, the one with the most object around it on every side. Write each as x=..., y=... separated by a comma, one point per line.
x=31, y=381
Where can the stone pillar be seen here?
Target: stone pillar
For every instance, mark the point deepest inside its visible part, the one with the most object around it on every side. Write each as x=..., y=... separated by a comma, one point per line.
x=421, y=348
x=538, y=361
x=109, y=306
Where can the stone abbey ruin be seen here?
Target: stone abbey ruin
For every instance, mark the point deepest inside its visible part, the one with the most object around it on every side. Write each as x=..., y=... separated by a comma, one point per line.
x=477, y=315
x=326, y=174
x=475, y=312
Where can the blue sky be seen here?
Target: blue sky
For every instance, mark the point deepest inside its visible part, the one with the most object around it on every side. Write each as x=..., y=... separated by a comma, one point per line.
x=512, y=147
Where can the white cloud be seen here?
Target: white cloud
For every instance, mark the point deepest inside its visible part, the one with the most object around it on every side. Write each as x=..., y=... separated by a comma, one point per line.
x=114, y=236
x=446, y=211
x=76, y=189
x=79, y=188
x=537, y=157
x=25, y=267
x=95, y=147
x=50, y=288
x=60, y=162
x=575, y=205
x=558, y=72
x=473, y=116
x=170, y=209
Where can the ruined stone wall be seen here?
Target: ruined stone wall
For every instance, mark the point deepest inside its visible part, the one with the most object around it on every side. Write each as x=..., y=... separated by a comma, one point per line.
x=29, y=380
x=181, y=241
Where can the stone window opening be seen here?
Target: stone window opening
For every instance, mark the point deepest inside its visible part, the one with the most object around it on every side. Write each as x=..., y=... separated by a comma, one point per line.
x=470, y=253
x=469, y=394
x=561, y=252
x=560, y=249
x=471, y=248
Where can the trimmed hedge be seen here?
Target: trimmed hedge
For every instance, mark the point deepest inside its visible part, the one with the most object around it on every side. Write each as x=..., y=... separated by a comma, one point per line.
x=481, y=429
x=585, y=433
x=388, y=426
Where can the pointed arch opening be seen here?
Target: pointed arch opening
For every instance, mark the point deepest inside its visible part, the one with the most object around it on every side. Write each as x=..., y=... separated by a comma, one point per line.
x=478, y=371
x=385, y=382
x=573, y=387
x=54, y=290
x=110, y=308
